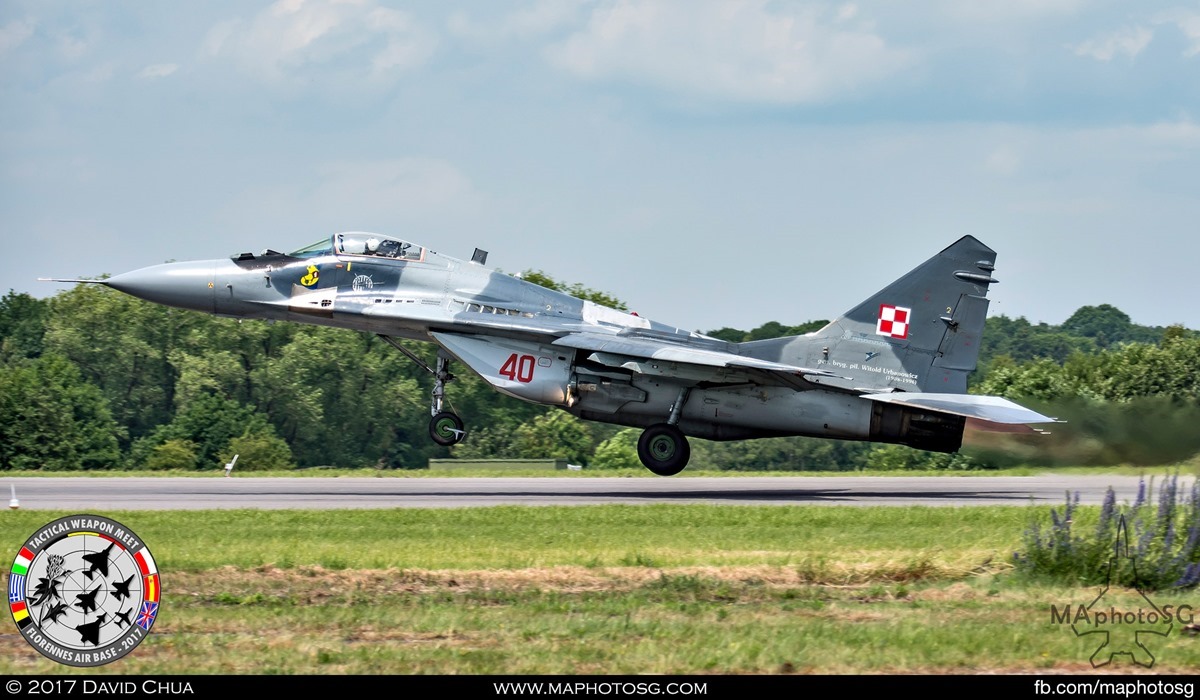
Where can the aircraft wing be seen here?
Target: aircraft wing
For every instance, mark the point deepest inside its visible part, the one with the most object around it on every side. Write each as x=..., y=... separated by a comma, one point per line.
x=991, y=413
x=650, y=356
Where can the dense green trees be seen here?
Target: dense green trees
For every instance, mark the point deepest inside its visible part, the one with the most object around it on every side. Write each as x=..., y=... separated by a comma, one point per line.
x=51, y=419
x=1134, y=402
x=94, y=379
x=22, y=325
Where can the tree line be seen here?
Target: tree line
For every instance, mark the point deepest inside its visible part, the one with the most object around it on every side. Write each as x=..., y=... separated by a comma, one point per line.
x=91, y=379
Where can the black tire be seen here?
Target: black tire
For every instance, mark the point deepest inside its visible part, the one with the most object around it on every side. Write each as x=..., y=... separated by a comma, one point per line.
x=664, y=449
x=446, y=429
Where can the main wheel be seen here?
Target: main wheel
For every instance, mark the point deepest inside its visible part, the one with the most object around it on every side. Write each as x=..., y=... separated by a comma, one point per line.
x=664, y=449
x=446, y=429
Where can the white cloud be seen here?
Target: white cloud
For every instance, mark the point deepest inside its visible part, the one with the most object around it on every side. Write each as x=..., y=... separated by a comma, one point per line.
x=100, y=73
x=417, y=194
x=1189, y=24
x=71, y=47
x=541, y=18
x=1173, y=135
x=158, y=70
x=1129, y=42
x=402, y=185
x=1002, y=161
x=355, y=39
x=1009, y=10
x=738, y=50
x=15, y=33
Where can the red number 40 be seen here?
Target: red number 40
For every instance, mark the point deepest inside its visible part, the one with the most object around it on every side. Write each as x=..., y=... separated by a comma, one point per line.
x=518, y=368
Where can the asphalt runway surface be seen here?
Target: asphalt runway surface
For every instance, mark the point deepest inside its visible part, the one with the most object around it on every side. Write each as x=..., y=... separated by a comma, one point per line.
x=97, y=494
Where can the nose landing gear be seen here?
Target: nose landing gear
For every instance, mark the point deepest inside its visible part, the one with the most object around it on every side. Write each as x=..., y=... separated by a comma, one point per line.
x=445, y=427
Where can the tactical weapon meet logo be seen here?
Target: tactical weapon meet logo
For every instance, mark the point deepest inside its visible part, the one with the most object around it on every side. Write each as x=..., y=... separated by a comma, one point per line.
x=84, y=590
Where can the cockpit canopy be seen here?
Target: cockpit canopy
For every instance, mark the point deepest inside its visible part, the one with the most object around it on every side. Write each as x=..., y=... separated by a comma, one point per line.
x=362, y=243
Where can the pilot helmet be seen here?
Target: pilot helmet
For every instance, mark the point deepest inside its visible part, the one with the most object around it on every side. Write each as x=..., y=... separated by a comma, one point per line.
x=372, y=245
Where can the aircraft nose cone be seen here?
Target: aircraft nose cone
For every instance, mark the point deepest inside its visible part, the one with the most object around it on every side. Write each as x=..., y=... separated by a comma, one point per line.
x=187, y=285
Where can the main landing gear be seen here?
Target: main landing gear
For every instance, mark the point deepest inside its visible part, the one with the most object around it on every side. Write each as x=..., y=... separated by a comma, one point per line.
x=663, y=448
x=445, y=427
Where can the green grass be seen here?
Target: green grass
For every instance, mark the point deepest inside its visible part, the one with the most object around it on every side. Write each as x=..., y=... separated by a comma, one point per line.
x=603, y=535
x=595, y=589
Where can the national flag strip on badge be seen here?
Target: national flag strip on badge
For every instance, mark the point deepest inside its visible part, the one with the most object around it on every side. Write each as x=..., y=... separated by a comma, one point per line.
x=16, y=588
x=149, y=571
x=20, y=615
x=151, y=587
x=146, y=617
x=101, y=535
x=145, y=562
x=21, y=565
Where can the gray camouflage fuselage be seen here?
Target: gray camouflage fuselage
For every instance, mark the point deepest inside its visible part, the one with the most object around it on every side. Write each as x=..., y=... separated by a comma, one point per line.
x=890, y=370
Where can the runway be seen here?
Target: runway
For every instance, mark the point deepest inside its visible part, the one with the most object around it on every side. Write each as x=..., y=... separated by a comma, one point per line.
x=82, y=494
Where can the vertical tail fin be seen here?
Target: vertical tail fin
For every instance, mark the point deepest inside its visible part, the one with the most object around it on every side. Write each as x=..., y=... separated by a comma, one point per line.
x=919, y=333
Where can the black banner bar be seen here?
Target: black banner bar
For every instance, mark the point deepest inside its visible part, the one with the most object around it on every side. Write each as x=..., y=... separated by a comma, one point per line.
x=80, y=685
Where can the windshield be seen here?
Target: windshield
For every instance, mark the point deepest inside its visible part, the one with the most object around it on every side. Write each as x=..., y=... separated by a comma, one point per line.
x=321, y=247
x=379, y=246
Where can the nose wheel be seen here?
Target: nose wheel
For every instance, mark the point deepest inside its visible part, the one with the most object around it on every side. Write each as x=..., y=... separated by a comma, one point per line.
x=446, y=428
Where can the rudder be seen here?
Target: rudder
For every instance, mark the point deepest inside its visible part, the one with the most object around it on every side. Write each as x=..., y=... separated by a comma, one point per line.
x=919, y=333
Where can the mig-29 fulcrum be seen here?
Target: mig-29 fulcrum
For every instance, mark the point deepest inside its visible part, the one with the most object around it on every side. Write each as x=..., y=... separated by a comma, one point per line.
x=892, y=369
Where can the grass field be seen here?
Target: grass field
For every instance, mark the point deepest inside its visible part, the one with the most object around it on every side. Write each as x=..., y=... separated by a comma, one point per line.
x=674, y=589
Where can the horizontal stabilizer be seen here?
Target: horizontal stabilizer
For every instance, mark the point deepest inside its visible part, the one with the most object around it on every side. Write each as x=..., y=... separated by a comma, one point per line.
x=986, y=409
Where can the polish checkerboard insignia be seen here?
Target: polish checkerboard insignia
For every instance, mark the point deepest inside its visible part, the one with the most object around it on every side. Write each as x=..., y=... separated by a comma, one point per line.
x=84, y=590
x=893, y=321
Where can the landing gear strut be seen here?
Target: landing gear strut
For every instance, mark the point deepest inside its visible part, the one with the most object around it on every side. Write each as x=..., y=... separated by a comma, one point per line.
x=445, y=427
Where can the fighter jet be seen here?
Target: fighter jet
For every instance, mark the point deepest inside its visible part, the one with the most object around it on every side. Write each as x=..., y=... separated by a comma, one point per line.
x=90, y=632
x=121, y=588
x=98, y=561
x=122, y=618
x=87, y=600
x=892, y=369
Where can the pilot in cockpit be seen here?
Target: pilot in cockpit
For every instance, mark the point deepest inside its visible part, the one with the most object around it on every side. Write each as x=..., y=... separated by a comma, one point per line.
x=391, y=249
x=371, y=246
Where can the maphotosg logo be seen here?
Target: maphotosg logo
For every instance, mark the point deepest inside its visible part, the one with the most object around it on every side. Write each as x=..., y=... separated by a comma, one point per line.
x=84, y=590
x=1122, y=622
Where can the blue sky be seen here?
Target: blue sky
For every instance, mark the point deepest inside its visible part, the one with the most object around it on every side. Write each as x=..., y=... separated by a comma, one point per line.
x=711, y=163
